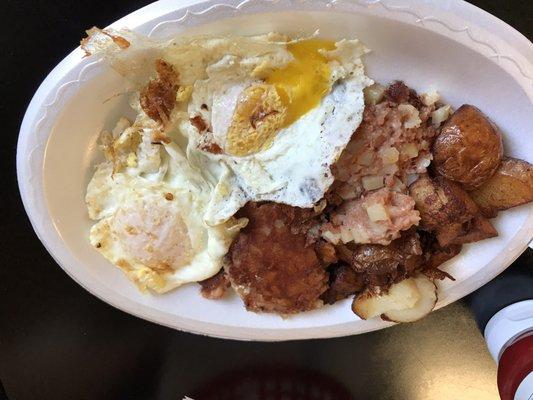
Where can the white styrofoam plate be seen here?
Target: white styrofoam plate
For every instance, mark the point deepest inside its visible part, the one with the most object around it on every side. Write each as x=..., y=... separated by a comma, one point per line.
x=466, y=54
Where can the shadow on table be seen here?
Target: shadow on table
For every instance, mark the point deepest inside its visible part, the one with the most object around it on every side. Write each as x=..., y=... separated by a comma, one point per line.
x=272, y=383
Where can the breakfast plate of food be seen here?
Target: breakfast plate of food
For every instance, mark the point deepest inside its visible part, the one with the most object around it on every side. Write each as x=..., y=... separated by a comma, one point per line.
x=275, y=170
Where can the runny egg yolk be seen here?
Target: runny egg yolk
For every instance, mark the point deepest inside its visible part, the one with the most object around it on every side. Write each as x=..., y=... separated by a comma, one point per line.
x=303, y=82
x=285, y=95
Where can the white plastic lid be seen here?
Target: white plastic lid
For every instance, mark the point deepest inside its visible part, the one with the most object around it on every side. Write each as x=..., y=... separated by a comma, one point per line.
x=507, y=325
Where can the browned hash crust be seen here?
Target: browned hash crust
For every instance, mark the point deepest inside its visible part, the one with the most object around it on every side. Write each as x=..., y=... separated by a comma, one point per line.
x=272, y=266
x=212, y=148
x=398, y=92
x=158, y=98
x=198, y=122
x=215, y=287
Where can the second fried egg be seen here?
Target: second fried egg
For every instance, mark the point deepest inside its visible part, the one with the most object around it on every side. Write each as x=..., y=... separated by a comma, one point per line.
x=149, y=210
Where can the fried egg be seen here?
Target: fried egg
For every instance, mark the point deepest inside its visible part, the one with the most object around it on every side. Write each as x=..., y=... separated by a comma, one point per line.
x=150, y=209
x=280, y=126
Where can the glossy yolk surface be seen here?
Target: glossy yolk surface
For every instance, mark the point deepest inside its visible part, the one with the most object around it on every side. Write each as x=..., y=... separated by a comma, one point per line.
x=303, y=82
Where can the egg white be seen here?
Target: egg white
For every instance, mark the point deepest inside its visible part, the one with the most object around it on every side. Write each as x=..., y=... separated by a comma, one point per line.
x=150, y=224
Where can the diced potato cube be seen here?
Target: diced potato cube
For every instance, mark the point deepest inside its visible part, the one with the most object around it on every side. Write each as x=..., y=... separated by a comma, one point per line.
x=372, y=182
x=377, y=212
x=374, y=94
x=430, y=97
x=390, y=155
x=440, y=115
x=410, y=150
x=411, y=114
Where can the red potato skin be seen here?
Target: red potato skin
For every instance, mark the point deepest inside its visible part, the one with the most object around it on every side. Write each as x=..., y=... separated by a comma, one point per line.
x=343, y=282
x=469, y=148
x=448, y=212
x=441, y=202
x=510, y=186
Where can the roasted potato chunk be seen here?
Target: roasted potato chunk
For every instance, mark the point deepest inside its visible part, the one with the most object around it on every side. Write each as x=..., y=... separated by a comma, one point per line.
x=441, y=202
x=510, y=186
x=448, y=211
x=382, y=265
x=400, y=296
x=442, y=254
x=474, y=230
x=343, y=282
x=405, y=301
x=426, y=303
x=436, y=254
x=469, y=148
